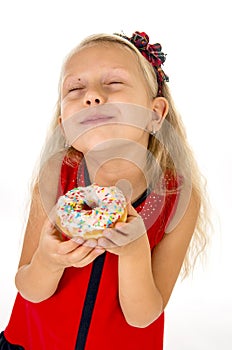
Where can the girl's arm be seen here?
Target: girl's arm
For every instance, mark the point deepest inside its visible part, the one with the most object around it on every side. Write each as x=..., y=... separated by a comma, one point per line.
x=146, y=280
x=169, y=254
x=140, y=299
x=45, y=256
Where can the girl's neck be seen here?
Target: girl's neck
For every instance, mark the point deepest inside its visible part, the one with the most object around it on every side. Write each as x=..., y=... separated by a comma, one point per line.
x=121, y=172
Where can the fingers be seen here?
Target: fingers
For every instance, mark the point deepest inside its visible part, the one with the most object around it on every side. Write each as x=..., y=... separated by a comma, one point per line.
x=116, y=237
x=71, y=244
x=124, y=233
x=131, y=211
x=82, y=256
x=78, y=253
x=67, y=247
x=105, y=243
x=134, y=226
x=91, y=243
x=88, y=256
x=48, y=226
x=72, y=252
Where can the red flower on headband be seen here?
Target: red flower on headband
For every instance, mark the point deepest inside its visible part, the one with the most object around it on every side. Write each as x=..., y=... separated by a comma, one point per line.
x=152, y=52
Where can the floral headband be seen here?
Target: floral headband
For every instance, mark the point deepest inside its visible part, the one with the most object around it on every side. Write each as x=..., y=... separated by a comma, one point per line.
x=152, y=52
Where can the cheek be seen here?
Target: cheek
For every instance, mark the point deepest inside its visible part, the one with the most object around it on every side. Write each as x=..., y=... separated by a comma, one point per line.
x=69, y=108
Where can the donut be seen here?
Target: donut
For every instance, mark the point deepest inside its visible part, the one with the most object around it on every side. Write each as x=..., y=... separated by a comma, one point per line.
x=87, y=211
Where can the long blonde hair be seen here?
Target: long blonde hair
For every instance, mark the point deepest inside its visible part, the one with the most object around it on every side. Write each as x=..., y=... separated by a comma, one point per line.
x=158, y=146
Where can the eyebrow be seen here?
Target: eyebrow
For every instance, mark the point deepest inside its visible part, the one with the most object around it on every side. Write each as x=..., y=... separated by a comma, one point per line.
x=75, y=78
x=69, y=79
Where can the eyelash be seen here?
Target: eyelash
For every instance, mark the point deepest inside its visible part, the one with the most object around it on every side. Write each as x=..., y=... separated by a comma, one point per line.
x=81, y=88
x=115, y=82
x=75, y=89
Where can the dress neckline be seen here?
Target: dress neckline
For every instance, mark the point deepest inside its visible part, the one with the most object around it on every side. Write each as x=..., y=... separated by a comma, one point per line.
x=135, y=204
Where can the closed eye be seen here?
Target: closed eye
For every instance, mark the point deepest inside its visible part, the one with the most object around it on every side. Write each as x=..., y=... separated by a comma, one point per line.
x=115, y=82
x=75, y=88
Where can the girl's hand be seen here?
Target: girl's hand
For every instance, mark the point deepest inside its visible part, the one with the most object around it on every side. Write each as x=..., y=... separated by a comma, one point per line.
x=58, y=254
x=117, y=239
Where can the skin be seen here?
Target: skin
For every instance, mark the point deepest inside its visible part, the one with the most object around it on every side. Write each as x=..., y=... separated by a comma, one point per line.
x=146, y=279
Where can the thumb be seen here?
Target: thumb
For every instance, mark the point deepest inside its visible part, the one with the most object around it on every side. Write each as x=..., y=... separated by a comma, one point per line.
x=48, y=227
x=52, y=215
x=131, y=211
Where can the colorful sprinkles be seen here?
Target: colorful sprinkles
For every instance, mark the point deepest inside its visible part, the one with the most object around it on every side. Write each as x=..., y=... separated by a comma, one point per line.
x=85, y=209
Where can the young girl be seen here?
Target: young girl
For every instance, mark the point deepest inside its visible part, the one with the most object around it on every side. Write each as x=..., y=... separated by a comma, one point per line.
x=115, y=124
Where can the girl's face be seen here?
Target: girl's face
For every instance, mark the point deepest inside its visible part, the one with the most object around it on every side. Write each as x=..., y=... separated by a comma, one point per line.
x=99, y=81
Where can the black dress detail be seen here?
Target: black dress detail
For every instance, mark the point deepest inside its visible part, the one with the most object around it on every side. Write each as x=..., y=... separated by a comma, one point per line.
x=5, y=345
x=90, y=299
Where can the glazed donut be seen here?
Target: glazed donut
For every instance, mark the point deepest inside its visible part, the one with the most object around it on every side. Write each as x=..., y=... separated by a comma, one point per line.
x=87, y=211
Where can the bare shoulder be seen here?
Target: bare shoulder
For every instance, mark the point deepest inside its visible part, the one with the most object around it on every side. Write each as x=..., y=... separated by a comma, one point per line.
x=169, y=254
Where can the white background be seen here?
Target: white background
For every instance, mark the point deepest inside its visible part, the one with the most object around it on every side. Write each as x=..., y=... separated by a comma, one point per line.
x=35, y=37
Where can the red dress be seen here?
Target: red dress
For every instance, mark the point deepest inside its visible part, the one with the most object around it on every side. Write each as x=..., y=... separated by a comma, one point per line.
x=84, y=312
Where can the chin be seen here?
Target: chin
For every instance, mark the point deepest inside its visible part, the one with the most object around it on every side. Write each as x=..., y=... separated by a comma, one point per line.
x=88, y=144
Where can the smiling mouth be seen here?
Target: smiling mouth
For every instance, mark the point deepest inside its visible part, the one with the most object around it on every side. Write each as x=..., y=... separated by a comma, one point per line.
x=95, y=119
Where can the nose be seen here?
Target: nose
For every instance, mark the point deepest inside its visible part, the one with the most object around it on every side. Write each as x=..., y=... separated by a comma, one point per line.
x=92, y=101
x=93, y=98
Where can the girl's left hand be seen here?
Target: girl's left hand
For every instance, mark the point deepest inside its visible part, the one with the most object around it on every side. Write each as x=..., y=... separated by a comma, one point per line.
x=115, y=239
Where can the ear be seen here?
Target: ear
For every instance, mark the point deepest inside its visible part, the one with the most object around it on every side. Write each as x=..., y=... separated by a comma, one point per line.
x=160, y=107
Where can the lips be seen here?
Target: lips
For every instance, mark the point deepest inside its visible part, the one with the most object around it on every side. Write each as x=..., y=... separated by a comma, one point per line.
x=96, y=118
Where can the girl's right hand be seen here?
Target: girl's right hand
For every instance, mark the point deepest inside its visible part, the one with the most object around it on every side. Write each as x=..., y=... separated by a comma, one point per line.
x=58, y=254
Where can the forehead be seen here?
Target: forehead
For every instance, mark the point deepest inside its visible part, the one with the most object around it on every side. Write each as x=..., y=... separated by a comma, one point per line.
x=102, y=55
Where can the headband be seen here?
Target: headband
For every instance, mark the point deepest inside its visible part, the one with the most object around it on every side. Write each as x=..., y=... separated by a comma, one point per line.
x=152, y=52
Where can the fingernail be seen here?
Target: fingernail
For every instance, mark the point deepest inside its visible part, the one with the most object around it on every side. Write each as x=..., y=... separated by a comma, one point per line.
x=100, y=250
x=78, y=240
x=90, y=244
